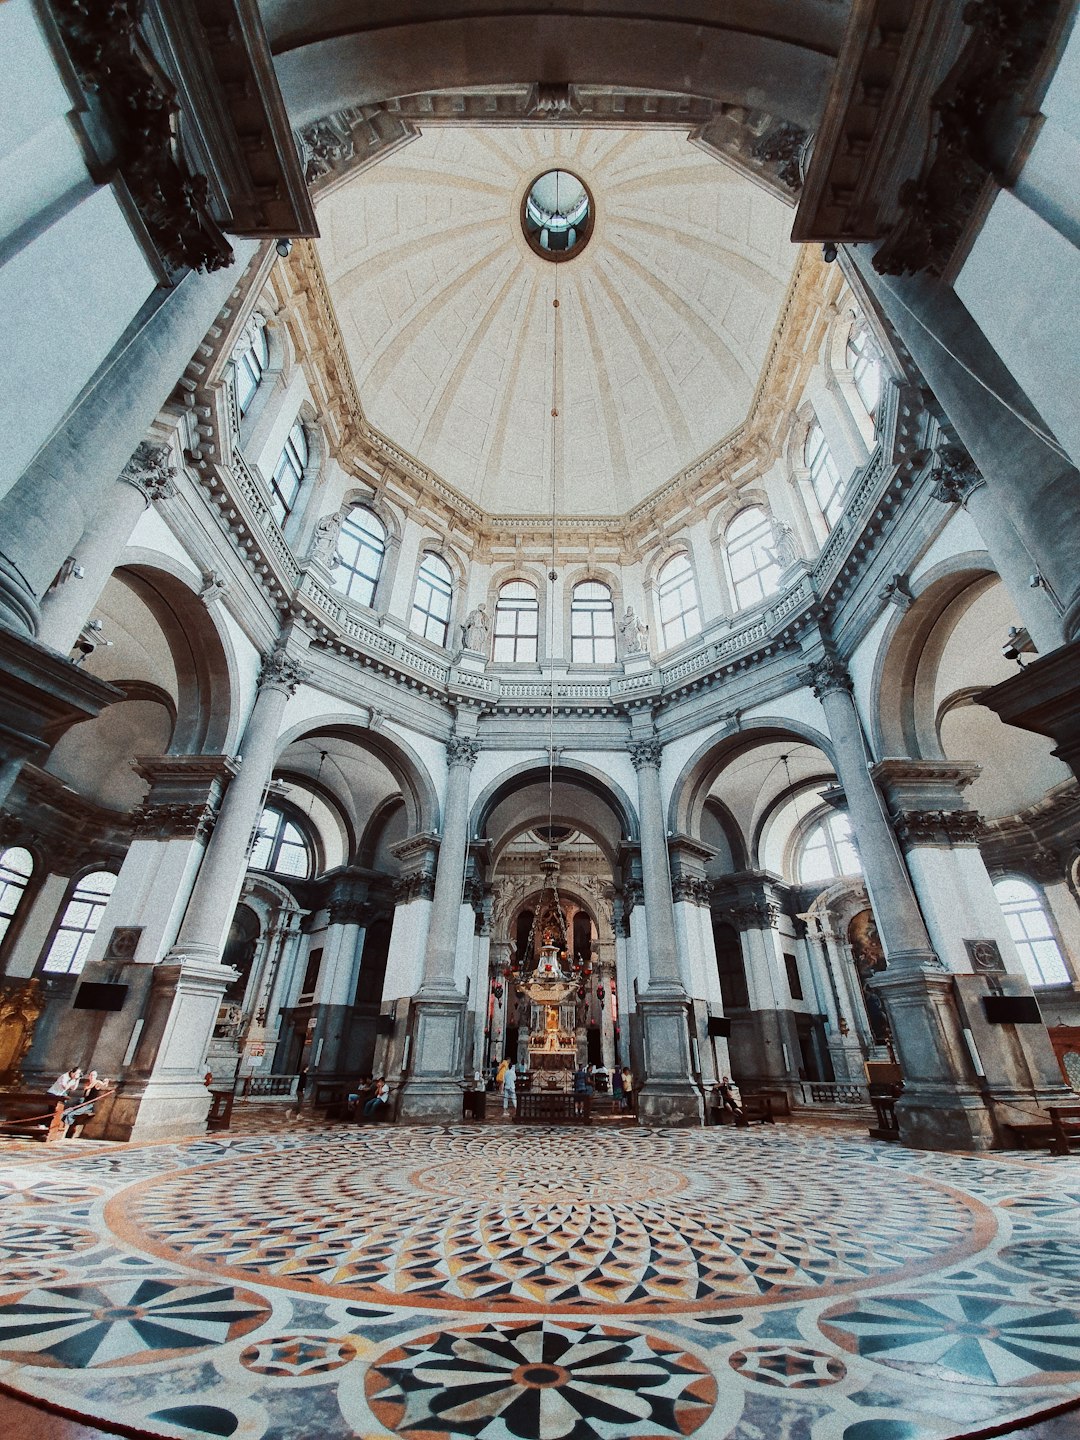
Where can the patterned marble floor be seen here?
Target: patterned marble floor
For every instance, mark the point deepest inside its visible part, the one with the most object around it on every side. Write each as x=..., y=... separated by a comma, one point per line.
x=797, y=1282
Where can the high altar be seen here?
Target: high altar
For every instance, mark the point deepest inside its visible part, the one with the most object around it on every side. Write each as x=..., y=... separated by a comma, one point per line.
x=552, y=1032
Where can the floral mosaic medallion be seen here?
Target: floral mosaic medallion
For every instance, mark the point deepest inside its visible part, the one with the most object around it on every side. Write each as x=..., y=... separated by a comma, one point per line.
x=34, y=1190
x=122, y=1322
x=792, y=1367
x=292, y=1356
x=961, y=1336
x=1056, y=1259
x=29, y=1241
x=541, y=1381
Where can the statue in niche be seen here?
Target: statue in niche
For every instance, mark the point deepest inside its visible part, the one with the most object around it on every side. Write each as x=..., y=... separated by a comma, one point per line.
x=634, y=634
x=474, y=632
x=324, y=541
x=783, y=549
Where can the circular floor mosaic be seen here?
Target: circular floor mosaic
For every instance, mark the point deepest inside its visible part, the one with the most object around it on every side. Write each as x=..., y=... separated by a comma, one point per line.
x=646, y=1224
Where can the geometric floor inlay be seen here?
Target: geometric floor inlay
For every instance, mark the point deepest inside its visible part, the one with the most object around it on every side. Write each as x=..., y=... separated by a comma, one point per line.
x=795, y=1281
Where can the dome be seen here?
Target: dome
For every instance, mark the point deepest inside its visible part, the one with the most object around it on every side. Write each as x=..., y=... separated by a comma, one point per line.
x=657, y=344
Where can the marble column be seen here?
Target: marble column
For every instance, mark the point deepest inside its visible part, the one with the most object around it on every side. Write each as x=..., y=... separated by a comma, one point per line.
x=1031, y=478
x=960, y=482
x=845, y=1050
x=432, y=1089
x=65, y=486
x=65, y=608
x=348, y=915
x=669, y=1095
x=164, y=1094
x=942, y=1107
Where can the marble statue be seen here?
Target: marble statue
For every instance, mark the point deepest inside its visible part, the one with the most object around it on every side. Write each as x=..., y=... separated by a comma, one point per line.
x=635, y=635
x=474, y=631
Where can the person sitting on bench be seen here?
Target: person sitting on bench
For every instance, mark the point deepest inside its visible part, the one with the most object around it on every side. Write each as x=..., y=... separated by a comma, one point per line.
x=373, y=1108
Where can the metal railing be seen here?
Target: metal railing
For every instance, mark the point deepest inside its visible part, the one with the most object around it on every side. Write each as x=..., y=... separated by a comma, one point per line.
x=834, y=1093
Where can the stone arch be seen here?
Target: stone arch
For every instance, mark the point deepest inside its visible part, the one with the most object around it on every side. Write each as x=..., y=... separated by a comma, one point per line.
x=900, y=724
x=403, y=762
x=691, y=788
x=587, y=777
x=207, y=674
x=328, y=59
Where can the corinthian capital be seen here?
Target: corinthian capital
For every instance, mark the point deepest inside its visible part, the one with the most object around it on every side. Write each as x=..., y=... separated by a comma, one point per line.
x=955, y=475
x=461, y=750
x=829, y=674
x=280, y=671
x=646, y=754
x=150, y=472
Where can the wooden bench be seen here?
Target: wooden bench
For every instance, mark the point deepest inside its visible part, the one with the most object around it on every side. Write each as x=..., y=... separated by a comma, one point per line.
x=759, y=1108
x=543, y=1107
x=220, y=1115
x=1065, y=1123
x=27, y=1113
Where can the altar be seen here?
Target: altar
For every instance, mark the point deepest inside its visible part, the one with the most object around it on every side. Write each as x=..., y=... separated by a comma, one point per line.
x=553, y=1017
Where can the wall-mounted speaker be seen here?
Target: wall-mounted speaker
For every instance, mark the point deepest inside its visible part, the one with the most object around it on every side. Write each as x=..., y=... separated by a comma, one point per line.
x=384, y=1025
x=719, y=1026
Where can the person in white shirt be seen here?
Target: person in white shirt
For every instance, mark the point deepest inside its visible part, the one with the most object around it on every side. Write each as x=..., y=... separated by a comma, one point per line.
x=64, y=1084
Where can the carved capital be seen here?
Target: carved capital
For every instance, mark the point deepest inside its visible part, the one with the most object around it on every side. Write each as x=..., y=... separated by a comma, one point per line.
x=939, y=827
x=633, y=894
x=281, y=671
x=150, y=473
x=462, y=750
x=348, y=910
x=419, y=886
x=692, y=888
x=646, y=754
x=783, y=146
x=955, y=475
x=756, y=915
x=172, y=821
x=828, y=675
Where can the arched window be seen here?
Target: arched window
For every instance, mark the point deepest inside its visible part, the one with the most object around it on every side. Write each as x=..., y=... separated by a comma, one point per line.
x=748, y=544
x=517, y=624
x=289, y=474
x=16, y=867
x=79, y=923
x=592, y=624
x=1025, y=914
x=828, y=851
x=281, y=847
x=431, y=602
x=864, y=362
x=824, y=476
x=361, y=548
x=250, y=359
x=676, y=600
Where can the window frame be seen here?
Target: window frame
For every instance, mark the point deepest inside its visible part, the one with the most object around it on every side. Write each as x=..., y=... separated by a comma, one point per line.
x=11, y=920
x=1026, y=942
x=77, y=960
x=242, y=358
x=664, y=589
x=862, y=356
x=585, y=611
x=515, y=607
x=824, y=820
x=819, y=464
x=431, y=617
x=364, y=541
x=765, y=566
x=287, y=818
x=295, y=463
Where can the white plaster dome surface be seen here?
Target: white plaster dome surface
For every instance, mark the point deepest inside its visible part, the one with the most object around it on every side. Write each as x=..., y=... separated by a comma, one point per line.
x=662, y=329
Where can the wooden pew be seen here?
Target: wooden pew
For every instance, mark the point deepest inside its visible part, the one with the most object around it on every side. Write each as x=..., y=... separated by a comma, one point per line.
x=29, y=1113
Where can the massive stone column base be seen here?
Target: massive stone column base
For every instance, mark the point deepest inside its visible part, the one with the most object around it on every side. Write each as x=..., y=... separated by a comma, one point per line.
x=942, y=1119
x=669, y=1095
x=152, y=1110
x=433, y=1087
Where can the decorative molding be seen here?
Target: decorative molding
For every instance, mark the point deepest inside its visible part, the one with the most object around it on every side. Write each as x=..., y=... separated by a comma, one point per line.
x=123, y=942
x=757, y=915
x=897, y=591
x=172, y=820
x=955, y=475
x=138, y=102
x=350, y=910
x=938, y=827
x=418, y=886
x=150, y=473
x=282, y=671
x=462, y=750
x=215, y=586
x=690, y=887
x=646, y=754
x=828, y=675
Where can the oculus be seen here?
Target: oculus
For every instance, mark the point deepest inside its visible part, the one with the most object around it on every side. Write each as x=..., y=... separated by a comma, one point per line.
x=557, y=215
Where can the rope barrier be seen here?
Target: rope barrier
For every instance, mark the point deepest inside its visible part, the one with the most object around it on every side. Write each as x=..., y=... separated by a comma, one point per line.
x=60, y=1100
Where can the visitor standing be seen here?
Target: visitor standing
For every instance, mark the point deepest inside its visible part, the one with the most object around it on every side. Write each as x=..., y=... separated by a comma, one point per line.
x=509, y=1086
x=628, y=1088
x=616, y=1085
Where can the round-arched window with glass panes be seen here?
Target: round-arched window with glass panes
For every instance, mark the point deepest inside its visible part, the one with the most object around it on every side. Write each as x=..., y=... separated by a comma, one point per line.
x=748, y=544
x=78, y=925
x=592, y=624
x=289, y=474
x=1032, y=933
x=517, y=624
x=361, y=550
x=864, y=362
x=677, y=602
x=824, y=476
x=16, y=868
x=250, y=359
x=281, y=847
x=827, y=851
x=431, y=600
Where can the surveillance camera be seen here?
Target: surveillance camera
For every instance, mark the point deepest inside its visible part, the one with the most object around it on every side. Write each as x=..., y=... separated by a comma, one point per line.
x=1019, y=643
x=829, y=252
x=283, y=248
